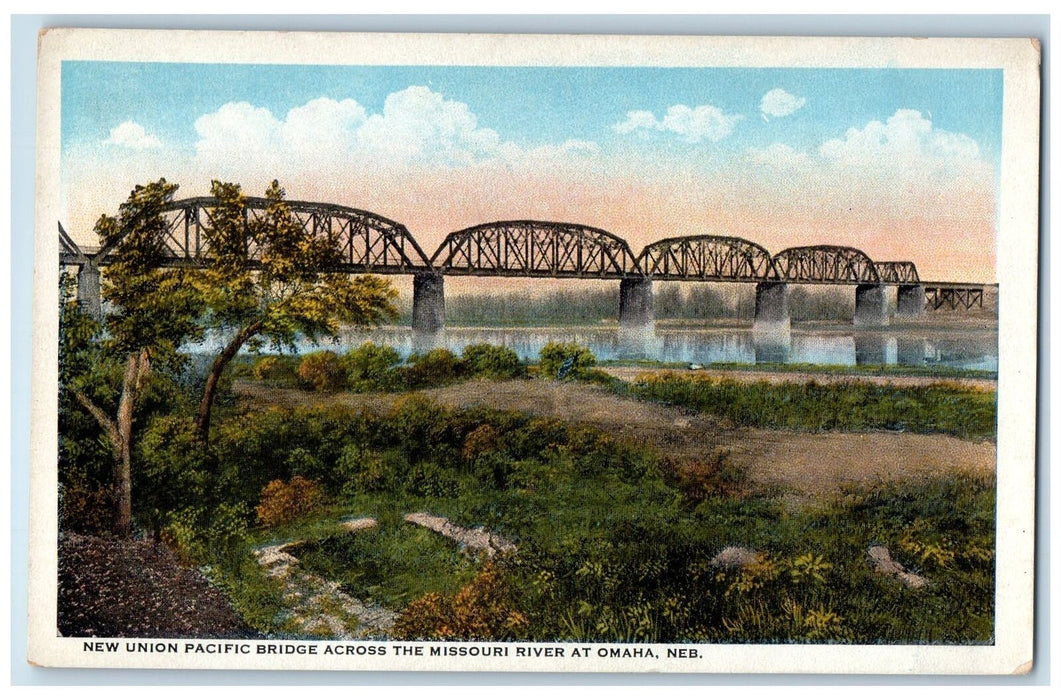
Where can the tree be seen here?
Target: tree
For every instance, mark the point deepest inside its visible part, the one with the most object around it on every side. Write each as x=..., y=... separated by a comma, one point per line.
x=151, y=313
x=290, y=289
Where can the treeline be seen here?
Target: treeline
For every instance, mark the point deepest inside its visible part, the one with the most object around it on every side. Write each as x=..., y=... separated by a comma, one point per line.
x=672, y=302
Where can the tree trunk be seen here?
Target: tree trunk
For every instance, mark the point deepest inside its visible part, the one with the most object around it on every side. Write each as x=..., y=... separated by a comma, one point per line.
x=202, y=417
x=120, y=433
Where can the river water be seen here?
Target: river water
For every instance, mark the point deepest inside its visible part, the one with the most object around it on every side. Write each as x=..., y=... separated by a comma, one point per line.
x=963, y=348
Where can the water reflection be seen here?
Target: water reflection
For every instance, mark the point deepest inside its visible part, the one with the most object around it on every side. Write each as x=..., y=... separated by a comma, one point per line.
x=963, y=348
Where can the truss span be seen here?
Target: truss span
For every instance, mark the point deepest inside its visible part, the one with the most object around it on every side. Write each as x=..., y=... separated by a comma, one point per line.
x=900, y=272
x=826, y=264
x=535, y=249
x=369, y=242
x=707, y=259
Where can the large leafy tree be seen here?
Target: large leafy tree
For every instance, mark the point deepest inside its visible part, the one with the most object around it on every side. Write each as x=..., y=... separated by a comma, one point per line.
x=150, y=313
x=270, y=281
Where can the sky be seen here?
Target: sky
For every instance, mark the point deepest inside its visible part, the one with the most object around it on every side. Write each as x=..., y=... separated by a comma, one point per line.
x=903, y=164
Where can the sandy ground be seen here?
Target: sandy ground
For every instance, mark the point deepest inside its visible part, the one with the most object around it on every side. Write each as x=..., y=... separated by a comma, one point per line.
x=630, y=374
x=804, y=464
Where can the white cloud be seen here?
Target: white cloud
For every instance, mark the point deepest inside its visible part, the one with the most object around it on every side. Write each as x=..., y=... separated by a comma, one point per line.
x=132, y=136
x=694, y=124
x=779, y=103
x=417, y=127
x=907, y=139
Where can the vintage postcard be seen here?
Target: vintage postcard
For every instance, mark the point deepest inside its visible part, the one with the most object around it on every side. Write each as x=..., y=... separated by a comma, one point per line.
x=534, y=353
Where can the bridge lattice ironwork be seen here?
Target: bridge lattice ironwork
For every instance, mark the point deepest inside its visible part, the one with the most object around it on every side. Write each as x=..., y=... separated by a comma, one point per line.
x=707, y=259
x=535, y=249
x=898, y=271
x=825, y=264
x=368, y=242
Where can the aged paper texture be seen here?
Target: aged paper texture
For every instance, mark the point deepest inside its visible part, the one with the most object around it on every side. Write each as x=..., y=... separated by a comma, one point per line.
x=534, y=353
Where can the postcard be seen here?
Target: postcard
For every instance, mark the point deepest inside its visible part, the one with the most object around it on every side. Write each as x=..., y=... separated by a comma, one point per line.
x=534, y=353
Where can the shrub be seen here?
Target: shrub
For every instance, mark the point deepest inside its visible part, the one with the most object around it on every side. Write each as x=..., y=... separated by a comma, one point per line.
x=492, y=361
x=273, y=368
x=283, y=502
x=372, y=367
x=553, y=356
x=483, y=440
x=718, y=475
x=86, y=510
x=483, y=609
x=434, y=368
x=321, y=371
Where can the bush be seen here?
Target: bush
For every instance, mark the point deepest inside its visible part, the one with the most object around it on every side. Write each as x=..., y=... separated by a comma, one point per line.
x=86, y=510
x=322, y=371
x=481, y=610
x=273, y=368
x=283, y=502
x=434, y=368
x=492, y=361
x=372, y=367
x=554, y=355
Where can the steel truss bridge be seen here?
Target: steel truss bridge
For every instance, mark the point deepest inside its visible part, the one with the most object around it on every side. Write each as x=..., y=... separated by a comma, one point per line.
x=371, y=243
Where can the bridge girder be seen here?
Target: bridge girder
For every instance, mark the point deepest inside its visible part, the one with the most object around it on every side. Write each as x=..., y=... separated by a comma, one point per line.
x=708, y=259
x=825, y=264
x=369, y=242
x=535, y=249
x=901, y=271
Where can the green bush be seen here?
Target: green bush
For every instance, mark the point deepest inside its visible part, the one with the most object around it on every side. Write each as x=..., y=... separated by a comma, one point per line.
x=322, y=371
x=553, y=355
x=275, y=368
x=434, y=368
x=372, y=367
x=492, y=361
x=174, y=472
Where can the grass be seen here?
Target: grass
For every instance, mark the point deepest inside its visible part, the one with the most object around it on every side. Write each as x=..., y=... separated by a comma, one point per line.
x=941, y=371
x=391, y=564
x=844, y=406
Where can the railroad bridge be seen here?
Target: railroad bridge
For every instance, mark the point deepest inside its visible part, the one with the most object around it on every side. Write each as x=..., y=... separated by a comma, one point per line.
x=374, y=244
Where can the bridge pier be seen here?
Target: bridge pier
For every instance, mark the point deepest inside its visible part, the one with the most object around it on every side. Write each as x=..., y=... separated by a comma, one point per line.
x=635, y=302
x=429, y=302
x=771, y=305
x=871, y=350
x=88, y=291
x=871, y=305
x=910, y=300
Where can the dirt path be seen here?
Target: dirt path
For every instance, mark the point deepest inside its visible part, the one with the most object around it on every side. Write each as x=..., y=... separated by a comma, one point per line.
x=629, y=374
x=810, y=464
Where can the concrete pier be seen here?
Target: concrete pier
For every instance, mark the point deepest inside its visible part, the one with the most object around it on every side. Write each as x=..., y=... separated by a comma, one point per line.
x=910, y=351
x=910, y=300
x=771, y=305
x=88, y=291
x=871, y=350
x=871, y=305
x=635, y=302
x=429, y=302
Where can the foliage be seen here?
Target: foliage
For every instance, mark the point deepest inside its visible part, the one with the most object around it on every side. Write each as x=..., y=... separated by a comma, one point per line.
x=322, y=371
x=175, y=473
x=275, y=368
x=290, y=291
x=434, y=368
x=492, y=361
x=372, y=367
x=936, y=408
x=283, y=502
x=554, y=354
x=483, y=609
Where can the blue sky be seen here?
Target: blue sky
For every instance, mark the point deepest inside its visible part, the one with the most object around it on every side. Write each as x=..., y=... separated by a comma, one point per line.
x=532, y=106
x=903, y=163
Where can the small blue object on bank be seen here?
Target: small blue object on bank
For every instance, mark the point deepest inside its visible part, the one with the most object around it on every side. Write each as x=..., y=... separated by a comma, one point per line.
x=565, y=367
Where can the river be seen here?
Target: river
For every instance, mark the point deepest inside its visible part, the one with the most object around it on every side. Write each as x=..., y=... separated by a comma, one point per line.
x=974, y=348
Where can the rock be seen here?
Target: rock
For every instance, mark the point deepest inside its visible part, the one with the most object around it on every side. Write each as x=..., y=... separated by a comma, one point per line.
x=734, y=558
x=476, y=539
x=884, y=564
x=358, y=524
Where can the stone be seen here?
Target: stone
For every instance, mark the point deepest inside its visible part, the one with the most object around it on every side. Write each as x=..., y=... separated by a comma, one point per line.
x=884, y=564
x=734, y=558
